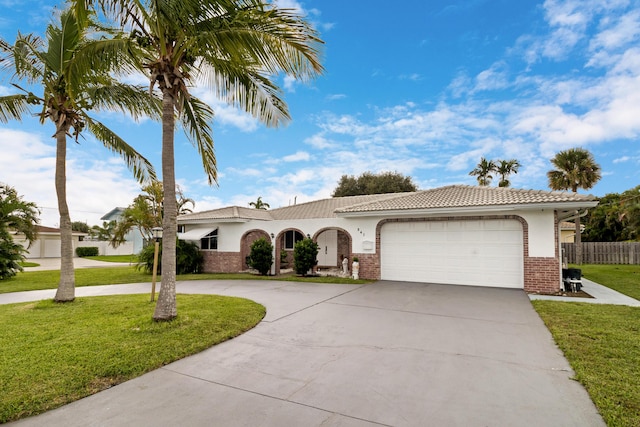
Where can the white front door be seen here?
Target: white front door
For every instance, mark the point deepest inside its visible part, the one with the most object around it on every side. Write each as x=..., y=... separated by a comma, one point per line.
x=328, y=248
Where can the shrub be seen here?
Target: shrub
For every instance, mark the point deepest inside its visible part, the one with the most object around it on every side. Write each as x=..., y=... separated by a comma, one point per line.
x=11, y=255
x=304, y=256
x=87, y=251
x=261, y=256
x=189, y=259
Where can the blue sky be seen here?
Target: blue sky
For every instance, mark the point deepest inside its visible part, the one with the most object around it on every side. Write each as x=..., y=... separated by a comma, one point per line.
x=424, y=89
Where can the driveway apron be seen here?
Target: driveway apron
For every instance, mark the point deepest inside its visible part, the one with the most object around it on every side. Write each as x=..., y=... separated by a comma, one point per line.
x=388, y=353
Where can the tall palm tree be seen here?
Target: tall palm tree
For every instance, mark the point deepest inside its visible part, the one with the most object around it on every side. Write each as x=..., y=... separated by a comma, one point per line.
x=259, y=204
x=574, y=168
x=483, y=171
x=506, y=168
x=72, y=70
x=235, y=47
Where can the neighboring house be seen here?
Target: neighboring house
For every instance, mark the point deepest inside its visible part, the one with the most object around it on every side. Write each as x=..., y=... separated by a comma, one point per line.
x=134, y=236
x=568, y=231
x=464, y=235
x=48, y=243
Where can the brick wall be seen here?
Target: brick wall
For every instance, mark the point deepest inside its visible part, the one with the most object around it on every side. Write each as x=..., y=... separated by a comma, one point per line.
x=541, y=275
x=369, y=266
x=222, y=262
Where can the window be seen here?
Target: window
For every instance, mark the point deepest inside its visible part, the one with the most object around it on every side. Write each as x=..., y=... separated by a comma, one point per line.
x=210, y=241
x=181, y=228
x=291, y=237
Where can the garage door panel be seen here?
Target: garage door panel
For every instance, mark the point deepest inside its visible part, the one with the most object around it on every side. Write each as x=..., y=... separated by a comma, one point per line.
x=475, y=252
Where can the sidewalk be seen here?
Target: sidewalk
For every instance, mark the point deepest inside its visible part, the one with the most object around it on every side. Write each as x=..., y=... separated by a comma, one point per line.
x=54, y=263
x=601, y=295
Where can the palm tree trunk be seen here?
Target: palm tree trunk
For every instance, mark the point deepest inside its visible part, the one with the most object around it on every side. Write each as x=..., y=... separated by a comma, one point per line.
x=578, y=242
x=66, y=287
x=166, y=308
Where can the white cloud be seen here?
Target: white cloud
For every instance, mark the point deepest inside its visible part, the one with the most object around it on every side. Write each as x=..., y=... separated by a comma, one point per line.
x=622, y=159
x=335, y=96
x=93, y=187
x=297, y=157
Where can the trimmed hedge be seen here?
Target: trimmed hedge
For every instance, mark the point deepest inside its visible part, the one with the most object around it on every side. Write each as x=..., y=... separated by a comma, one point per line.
x=87, y=251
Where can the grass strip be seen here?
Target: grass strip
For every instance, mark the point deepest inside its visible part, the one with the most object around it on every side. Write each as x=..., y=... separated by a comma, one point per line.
x=53, y=354
x=623, y=278
x=602, y=344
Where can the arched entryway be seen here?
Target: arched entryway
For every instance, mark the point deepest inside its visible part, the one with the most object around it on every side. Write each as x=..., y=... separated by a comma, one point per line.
x=285, y=241
x=247, y=240
x=334, y=244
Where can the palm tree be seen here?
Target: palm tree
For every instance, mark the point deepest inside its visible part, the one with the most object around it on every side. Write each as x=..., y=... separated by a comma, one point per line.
x=19, y=216
x=145, y=213
x=235, y=47
x=259, y=204
x=483, y=171
x=506, y=168
x=72, y=69
x=574, y=168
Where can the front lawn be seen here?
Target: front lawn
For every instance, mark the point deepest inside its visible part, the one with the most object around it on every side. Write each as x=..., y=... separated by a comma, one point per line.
x=602, y=344
x=131, y=259
x=623, y=278
x=53, y=354
x=36, y=280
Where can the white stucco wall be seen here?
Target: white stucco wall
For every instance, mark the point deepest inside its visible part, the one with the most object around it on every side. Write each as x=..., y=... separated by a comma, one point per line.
x=541, y=225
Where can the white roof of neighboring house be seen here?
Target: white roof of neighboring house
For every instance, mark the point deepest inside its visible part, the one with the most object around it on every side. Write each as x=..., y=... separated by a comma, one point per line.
x=461, y=197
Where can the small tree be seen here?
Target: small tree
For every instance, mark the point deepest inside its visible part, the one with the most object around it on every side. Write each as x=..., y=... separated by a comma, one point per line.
x=19, y=216
x=261, y=256
x=304, y=256
x=368, y=183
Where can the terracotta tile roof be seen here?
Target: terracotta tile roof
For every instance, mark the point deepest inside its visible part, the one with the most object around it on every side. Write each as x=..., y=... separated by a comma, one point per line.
x=325, y=208
x=228, y=213
x=460, y=196
x=454, y=196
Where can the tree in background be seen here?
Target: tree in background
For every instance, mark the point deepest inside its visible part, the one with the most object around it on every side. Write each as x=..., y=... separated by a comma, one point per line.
x=236, y=47
x=16, y=215
x=615, y=219
x=505, y=168
x=369, y=183
x=574, y=168
x=104, y=233
x=74, y=71
x=261, y=256
x=483, y=171
x=80, y=226
x=259, y=204
x=145, y=213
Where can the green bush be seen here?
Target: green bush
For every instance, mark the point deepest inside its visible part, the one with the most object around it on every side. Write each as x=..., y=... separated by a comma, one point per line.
x=11, y=254
x=189, y=259
x=304, y=256
x=87, y=251
x=261, y=256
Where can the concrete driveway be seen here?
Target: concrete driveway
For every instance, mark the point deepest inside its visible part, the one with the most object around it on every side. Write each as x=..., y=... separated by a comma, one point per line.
x=389, y=353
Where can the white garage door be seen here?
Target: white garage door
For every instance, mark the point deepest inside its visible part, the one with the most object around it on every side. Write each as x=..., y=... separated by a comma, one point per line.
x=474, y=252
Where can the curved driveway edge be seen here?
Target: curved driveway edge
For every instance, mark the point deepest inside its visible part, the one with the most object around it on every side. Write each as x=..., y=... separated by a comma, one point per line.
x=388, y=353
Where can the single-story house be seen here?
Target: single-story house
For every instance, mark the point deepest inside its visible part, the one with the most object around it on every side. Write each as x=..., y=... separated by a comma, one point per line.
x=462, y=235
x=47, y=245
x=568, y=231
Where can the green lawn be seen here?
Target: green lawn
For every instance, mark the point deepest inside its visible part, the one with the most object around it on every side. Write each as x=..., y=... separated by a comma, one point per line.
x=602, y=344
x=36, y=280
x=621, y=277
x=53, y=354
x=115, y=258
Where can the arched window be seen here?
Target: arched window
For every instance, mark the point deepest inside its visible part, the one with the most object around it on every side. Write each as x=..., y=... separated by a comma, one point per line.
x=210, y=241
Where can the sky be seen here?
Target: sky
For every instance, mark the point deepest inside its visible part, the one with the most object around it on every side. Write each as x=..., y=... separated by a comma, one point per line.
x=422, y=88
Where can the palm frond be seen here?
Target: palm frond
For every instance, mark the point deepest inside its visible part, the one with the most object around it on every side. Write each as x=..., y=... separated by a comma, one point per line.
x=134, y=100
x=196, y=118
x=25, y=57
x=249, y=90
x=12, y=107
x=142, y=169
